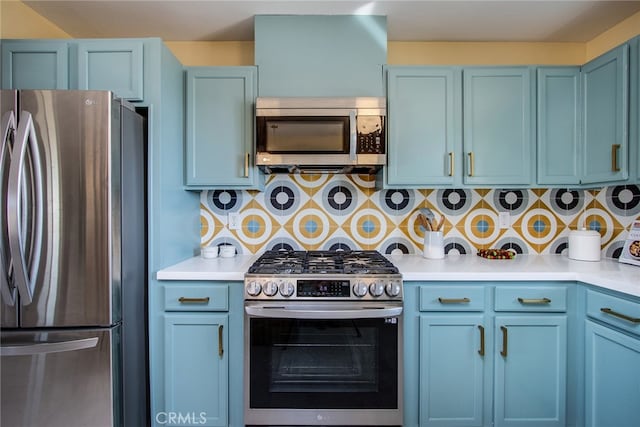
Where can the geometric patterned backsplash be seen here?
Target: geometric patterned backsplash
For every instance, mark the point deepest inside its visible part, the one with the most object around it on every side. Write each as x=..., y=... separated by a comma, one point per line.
x=330, y=212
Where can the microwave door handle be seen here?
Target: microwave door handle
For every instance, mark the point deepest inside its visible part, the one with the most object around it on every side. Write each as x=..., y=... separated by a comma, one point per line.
x=7, y=294
x=353, y=136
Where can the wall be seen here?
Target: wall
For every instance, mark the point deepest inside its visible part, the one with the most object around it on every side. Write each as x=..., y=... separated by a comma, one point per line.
x=611, y=38
x=19, y=21
x=330, y=211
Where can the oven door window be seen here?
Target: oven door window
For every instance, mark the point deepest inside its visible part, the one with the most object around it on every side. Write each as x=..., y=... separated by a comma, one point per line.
x=323, y=364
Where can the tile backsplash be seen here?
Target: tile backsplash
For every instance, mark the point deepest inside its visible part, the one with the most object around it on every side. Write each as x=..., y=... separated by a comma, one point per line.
x=308, y=212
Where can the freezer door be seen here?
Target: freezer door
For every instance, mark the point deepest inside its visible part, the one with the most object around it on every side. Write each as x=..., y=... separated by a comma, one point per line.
x=60, y=378
x=78, y=272
x=8, y=292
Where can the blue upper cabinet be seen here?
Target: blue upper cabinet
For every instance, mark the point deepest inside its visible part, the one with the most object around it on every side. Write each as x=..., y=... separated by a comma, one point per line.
x=35, y=64
x=220, y=121
x=558, y=126
x=634, y=108
x=115, y=65
x=423, y=126
x=605, y=90
x=320, y=55
x=497, y=129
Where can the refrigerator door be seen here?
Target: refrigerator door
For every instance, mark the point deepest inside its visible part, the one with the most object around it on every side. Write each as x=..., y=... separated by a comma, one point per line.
x=60, y=378
x=78, y=271
x=8, y=292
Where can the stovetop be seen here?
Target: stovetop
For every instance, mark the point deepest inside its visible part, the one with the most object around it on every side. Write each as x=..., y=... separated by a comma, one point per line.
x=322, y=262
x=323, y=275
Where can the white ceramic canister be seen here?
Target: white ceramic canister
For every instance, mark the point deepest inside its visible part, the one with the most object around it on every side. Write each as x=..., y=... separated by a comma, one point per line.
x=584, y=245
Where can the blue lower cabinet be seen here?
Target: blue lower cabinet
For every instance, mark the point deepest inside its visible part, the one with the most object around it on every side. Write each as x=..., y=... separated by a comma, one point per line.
x=452, y=365
x=530, y=378
x=195, y=370
x=612, y=377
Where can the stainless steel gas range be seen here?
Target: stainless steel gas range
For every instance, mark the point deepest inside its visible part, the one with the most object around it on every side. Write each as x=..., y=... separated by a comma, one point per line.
x=323, y=339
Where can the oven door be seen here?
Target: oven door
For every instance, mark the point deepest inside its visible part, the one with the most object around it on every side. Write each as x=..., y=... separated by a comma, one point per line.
x=323, y=364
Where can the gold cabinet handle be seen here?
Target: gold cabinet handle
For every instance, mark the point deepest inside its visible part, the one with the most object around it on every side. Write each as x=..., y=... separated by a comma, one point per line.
x=470, y=154
x=620, y=315
x=503, y=353
x=452, y=166
x=246, y=165
x=534, y=300
x=454, y=300
x=185, y=300
x=614, y=157
x=220, y=342
x=481, y=351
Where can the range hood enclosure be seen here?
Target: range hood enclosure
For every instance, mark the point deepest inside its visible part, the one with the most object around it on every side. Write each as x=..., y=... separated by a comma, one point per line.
x=320, y=55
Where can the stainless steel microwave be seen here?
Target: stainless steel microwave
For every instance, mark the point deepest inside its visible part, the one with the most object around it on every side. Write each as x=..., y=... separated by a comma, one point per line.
x=320, y=134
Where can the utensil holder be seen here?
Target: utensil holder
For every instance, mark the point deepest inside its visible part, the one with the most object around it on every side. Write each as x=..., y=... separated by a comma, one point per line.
x=433, y=245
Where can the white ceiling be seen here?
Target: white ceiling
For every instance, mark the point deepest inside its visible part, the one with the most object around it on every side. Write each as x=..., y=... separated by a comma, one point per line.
x=452, y=20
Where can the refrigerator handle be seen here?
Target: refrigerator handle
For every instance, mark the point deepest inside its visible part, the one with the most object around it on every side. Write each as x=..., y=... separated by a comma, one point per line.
x=7, y=294
x=48, y=347
x=25, y=271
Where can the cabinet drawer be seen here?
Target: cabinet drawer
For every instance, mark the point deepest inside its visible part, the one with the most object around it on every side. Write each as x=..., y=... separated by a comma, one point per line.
x=615, y=311
x=531, y=298
x=452, y=298
x=196, y=298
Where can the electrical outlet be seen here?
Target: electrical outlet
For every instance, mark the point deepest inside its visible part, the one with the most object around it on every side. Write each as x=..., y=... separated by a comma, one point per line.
x=233, y=220
x=504, y=219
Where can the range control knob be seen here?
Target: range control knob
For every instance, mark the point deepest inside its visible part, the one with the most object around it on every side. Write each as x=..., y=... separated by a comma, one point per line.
x=393, y=288
x=254, y=288
x=286, y=289
x=270, y=289
x=376, y=289
x=360, y=289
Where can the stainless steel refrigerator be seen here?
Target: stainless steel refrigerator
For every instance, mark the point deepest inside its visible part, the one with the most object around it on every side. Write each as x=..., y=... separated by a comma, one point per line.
x=72, y=261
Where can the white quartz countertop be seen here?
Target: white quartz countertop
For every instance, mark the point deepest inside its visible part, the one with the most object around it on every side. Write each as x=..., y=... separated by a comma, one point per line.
x=609, y=274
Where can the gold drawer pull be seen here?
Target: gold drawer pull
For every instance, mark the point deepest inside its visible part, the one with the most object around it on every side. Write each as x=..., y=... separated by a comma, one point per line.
x=220, y=342
x=481, y=351
x=186, y=300
x=503, y=353
x=451, y=163
x=620, y=315
x=454, y=300
x=534, y=300
x=470, y=154
x=246, y=165
x=614, y=157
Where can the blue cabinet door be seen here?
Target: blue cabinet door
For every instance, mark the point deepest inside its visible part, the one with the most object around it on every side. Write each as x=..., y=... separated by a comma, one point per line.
x=558, y=125
x=220, y=122
x=196, y=373
x=530, y=370
x=115, y=65
x=612, y=377
x=452, y=363
x=497, y=130
x=605, y=93
x=423, y=126
x=35, y=64
x=634, y=108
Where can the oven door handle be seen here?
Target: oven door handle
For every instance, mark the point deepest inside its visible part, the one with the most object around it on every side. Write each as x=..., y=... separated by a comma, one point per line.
x=281, y=312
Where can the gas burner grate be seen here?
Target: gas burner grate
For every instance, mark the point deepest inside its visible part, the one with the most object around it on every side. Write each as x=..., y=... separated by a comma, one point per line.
x=322, y=262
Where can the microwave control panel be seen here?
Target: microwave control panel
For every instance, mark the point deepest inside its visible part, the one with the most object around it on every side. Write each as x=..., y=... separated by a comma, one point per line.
x=370, y=135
